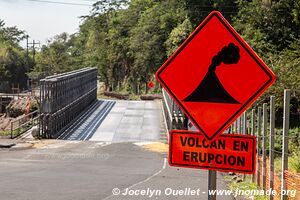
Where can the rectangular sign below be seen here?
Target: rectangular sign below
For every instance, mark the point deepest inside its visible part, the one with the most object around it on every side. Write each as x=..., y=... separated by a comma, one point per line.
x=228, y=152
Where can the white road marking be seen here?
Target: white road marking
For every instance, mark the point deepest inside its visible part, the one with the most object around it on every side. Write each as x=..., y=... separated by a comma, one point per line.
x=144, y=143
x=143, y=181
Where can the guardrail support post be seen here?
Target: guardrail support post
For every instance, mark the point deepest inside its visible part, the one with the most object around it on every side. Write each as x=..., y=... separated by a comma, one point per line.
x=264, y=148
x=258, y=147
x=252, y=133
x=244, y=132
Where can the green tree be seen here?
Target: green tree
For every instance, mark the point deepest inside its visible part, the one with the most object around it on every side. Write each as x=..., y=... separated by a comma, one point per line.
x=178, y=35
x=148, y=38
x=55, y=57
x=268, y=25
x=272, y=30
x=13, y=61
x=199, y=9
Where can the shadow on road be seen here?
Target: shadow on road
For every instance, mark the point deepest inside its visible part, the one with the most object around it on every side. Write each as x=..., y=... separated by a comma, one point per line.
x=85, y=125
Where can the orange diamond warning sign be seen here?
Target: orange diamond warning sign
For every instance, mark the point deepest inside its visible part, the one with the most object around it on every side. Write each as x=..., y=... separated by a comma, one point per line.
x=214, y=76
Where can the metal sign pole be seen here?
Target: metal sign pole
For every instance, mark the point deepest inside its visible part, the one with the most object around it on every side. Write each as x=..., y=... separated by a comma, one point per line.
x=212, y=184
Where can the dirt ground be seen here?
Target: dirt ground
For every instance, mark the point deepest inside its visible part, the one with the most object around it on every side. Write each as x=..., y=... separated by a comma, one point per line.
x=5, y=123
x=15, y=110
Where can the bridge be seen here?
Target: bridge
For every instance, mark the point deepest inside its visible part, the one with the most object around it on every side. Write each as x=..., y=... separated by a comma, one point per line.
x=70, y=110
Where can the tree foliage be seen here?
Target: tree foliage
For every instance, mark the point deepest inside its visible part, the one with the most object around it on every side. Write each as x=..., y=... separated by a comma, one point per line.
x=272, y=30
x=56, y=57
x=128, y=40
x=13, y=60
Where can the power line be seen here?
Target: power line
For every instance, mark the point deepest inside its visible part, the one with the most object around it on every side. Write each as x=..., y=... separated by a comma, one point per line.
x=60, y=2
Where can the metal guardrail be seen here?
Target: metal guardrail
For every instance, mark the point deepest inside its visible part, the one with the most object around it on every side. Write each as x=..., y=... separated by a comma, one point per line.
x=13, y=96
x=23, y=124
x=175, y=118
x=63, y=97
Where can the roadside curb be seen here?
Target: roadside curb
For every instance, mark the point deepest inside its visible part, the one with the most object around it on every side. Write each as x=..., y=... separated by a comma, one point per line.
x=6, y=145
x=22, y=146
x=13, y=144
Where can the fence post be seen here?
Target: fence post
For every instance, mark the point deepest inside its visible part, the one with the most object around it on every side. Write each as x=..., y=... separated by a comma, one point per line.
x=271, y=150
x=239, y=125
x=236, y=126
x=11, y=130
x=19, y=130
x=244, y=131
x=0, y=104
x=286, y=119
x=252, y=133
x=245, y=123
x=32, y=120
x=233, y=127
x=258, y=146
x=264, y=147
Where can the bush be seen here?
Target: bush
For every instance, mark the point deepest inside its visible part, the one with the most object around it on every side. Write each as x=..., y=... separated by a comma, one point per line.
x=294, y=161
x=294, y=140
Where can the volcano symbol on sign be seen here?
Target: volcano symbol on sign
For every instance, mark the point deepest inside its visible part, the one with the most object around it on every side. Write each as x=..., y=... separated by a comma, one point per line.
x=210, y=89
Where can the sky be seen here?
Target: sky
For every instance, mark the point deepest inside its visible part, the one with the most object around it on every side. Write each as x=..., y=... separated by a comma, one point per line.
x=42, y=20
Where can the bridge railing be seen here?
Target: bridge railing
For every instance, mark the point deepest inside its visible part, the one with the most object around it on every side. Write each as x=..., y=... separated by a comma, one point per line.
x=63, y=97
x=174, y=116
x=23, y=124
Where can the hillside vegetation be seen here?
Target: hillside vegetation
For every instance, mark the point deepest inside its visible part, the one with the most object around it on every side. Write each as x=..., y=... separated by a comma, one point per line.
x=128, y=40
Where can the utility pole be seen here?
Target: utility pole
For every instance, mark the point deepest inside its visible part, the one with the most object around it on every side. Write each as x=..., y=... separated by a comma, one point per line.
x=27, y=55
x=33, y=46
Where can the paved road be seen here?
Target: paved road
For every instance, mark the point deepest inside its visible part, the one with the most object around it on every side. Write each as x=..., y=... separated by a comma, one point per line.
x=73, y=169
x=85, y=170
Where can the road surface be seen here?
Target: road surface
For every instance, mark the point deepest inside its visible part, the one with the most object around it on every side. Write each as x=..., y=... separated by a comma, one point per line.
x=102, y=155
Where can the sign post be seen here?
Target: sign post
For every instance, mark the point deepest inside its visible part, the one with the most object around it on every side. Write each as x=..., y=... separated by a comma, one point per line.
x=212, y=184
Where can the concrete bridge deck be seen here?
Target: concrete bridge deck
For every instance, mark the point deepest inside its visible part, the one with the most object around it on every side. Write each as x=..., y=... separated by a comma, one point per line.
x=117, y=121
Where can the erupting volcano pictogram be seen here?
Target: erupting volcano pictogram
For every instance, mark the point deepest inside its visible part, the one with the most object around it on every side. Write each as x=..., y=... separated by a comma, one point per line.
x=211, y=89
